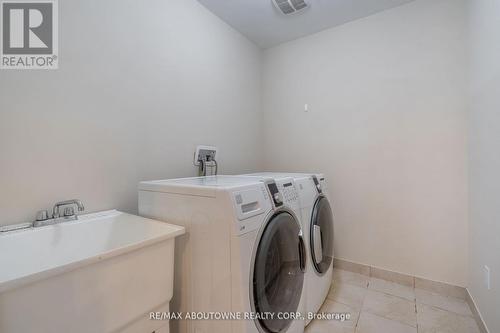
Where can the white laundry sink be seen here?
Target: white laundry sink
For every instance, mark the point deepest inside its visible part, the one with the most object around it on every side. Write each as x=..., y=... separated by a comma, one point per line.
x=101, y=273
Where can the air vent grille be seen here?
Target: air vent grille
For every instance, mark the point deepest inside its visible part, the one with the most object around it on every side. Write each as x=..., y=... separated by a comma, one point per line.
x=288, y=7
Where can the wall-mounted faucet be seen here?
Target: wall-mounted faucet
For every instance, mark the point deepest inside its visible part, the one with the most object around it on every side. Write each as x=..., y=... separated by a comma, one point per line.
x=42, y=217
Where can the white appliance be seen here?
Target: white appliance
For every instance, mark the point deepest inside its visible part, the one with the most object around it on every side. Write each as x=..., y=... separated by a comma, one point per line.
x=243, y=252
x=317, y=225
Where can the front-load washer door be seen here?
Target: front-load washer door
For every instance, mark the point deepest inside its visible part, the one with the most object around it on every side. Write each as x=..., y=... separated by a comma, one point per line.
x=321, y=235
x=278, y=272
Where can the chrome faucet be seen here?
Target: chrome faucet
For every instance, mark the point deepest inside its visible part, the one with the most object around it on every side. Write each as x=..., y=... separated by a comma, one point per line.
x=67, y=212
x=42, y=217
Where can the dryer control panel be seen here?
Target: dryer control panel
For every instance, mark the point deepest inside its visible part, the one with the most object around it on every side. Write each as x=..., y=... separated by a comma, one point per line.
x=322, y=182
x=317, y=184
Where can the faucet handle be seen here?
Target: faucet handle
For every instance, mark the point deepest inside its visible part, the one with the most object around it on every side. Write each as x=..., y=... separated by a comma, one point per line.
x=69, y=211
x=42, y=215
x=55, y=210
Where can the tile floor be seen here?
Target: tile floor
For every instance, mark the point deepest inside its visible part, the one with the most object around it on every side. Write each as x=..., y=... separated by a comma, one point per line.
x=379, y=306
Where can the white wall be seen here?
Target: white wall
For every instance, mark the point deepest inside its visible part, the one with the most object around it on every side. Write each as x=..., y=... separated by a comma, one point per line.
x=484, y=148
x=387, y=124
x=139, y=85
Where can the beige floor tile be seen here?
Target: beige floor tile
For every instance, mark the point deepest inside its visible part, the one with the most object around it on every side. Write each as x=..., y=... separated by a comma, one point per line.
x=434, y=320
x=334, y=326
x=370, y=323
x=392, y=288
x=342, y=276
x=452, y=304
x=390, y=307
x=347, y=294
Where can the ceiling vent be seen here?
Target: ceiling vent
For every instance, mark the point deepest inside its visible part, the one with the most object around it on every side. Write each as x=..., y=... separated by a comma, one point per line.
x=288, y=7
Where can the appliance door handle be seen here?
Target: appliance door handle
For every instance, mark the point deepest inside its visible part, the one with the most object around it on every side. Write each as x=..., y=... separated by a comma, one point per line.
x=318, y=247
x=302, y=254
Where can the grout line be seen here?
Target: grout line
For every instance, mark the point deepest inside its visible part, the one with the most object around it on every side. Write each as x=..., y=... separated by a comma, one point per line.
x=393, y=320
x=441, y=295
x=357, y=321
x=342, y=303
x=373, y=290
x=448, y=311
x=361, y=309
x=383, y=292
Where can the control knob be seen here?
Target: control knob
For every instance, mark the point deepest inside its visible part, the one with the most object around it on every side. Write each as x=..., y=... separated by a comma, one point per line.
x=277, y=198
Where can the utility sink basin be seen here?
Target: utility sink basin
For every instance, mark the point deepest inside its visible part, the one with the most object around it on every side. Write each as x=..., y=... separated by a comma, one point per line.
x=101, y=273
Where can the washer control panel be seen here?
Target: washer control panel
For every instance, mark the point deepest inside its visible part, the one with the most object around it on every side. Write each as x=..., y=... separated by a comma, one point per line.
x=283, y=192
x=289, y=192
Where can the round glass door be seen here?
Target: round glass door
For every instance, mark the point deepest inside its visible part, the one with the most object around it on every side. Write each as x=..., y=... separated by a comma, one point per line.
x=321, y=235
x=278, y=274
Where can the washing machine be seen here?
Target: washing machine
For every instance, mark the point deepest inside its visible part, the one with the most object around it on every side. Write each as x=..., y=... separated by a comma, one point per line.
x=240, y=266
x=317, y=225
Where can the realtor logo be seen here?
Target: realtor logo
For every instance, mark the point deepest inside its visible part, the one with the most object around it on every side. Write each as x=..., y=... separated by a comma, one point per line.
x=29, y=34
